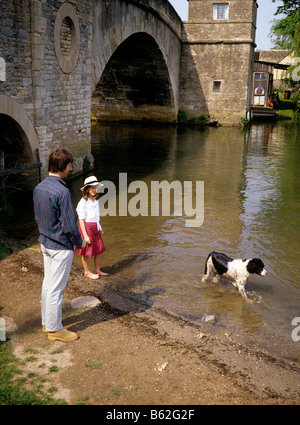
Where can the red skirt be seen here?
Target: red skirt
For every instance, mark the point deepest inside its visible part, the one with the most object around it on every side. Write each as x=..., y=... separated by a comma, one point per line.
x=96, y=246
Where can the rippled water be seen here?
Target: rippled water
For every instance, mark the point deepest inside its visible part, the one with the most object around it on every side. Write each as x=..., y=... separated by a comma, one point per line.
x=251, y=208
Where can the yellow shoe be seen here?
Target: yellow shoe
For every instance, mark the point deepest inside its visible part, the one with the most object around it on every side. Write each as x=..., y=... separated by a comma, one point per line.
x=63, y=335
x=44, y=329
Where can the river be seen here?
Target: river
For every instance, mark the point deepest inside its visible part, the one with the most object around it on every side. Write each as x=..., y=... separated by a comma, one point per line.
x=251, y=209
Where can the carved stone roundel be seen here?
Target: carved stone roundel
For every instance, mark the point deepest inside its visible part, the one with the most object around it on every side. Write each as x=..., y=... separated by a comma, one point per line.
x=67, y=37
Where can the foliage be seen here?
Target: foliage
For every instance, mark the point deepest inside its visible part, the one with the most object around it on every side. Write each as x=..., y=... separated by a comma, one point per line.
x=86, y=163
x=288, y=7
x=293, y=70
x=283, y=30
x=13, y=391
x=297, y=39
x=182, y=118
x=244, y=122
x=279, y=38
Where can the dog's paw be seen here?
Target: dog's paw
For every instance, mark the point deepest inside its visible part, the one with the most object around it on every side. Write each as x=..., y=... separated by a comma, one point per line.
x=249, y=301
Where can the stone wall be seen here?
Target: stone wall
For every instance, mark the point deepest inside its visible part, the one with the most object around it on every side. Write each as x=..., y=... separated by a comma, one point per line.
x=54, y=99
x=61, y=76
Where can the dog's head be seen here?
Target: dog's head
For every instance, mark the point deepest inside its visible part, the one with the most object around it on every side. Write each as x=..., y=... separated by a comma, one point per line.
x=256, y=266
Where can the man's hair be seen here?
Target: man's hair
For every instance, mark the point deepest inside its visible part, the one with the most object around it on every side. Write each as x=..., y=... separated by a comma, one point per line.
x=59, y=160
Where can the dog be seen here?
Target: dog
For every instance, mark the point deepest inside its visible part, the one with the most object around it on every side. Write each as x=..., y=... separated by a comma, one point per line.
x=235, y=271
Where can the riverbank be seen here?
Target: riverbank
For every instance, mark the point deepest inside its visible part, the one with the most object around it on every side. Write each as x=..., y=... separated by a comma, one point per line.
x=130, y=352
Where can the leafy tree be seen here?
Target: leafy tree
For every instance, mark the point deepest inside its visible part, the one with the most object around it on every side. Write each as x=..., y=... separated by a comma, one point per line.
x=288, y=8
x=283, y=30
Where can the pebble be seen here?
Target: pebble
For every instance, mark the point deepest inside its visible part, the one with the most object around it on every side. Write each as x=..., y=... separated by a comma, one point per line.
x=162, y=366
x=209, y=318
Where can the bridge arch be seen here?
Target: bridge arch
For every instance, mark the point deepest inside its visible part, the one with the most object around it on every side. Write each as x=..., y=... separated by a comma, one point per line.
x=18, y=139
x=16, y=114
x=127, y=34
x=135, y=83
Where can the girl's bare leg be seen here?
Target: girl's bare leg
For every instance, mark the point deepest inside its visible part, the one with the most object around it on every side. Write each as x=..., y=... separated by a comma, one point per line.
x=97, y=266
x=87, y=272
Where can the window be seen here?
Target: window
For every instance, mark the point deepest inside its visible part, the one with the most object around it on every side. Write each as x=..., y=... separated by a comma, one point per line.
x=217, y=85
x=220, y=11
x=260, y=82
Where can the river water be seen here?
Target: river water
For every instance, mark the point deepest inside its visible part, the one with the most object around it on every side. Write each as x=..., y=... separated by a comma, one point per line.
x=251, y=209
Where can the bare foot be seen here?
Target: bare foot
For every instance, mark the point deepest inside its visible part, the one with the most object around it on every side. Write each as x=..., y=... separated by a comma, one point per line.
x=100, y=273
x=91, y=275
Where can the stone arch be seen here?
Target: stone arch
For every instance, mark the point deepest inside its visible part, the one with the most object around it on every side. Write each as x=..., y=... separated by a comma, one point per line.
x=15, y=112
x=134, y=18
x=135, y=84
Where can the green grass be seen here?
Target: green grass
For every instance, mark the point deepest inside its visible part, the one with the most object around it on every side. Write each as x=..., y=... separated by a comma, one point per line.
x=286, y=113
x=115, y=391
x=93, y=365
x=12, y=383
x=287, y=110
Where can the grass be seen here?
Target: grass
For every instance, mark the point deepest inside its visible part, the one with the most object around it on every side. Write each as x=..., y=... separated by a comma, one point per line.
x=287, y=110
x=53, y=369
x=286, y=113
x=12, y=382
x=115, y=391
x=93, y=365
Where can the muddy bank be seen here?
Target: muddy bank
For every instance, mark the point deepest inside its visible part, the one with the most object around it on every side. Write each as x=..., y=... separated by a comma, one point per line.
x=130, y=352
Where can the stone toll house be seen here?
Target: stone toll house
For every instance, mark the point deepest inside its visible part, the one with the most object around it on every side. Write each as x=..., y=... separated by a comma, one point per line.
x=65, y=63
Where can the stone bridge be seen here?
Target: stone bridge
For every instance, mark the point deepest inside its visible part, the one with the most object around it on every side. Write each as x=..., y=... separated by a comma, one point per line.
x=65, y=63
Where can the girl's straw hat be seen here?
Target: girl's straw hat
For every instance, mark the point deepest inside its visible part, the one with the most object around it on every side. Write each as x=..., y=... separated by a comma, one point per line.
x=91, y=181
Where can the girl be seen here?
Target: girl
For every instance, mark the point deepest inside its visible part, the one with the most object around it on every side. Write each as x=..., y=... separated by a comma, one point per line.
x=90, y=228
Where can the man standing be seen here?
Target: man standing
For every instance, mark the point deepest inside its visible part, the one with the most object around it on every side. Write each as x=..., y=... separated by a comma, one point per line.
x=57, y=223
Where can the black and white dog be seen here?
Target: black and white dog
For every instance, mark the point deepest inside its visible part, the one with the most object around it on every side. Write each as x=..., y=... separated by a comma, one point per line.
x=236, y=271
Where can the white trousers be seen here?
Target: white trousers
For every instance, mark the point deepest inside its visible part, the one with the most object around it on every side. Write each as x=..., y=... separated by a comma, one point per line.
x=57, y=267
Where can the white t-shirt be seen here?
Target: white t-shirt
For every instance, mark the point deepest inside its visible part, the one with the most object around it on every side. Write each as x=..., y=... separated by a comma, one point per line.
x=89, y=211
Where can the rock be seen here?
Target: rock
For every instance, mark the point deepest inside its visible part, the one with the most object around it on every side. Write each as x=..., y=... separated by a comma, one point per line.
x=162, y=366
x=87, y=301
x=209, y=318
x=10, y=324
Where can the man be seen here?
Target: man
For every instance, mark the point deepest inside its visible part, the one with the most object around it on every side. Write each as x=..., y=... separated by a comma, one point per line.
x=57, y=224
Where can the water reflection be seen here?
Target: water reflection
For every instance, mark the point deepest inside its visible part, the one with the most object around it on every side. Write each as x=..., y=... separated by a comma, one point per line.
x=272, y=199
x=252, y=198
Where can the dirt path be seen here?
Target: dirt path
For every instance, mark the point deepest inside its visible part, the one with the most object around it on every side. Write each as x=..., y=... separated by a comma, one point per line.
x=131, y=353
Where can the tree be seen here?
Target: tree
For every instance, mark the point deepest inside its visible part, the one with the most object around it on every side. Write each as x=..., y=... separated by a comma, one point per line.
x=294, y=68
x=289, y=7
x=283, y=30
